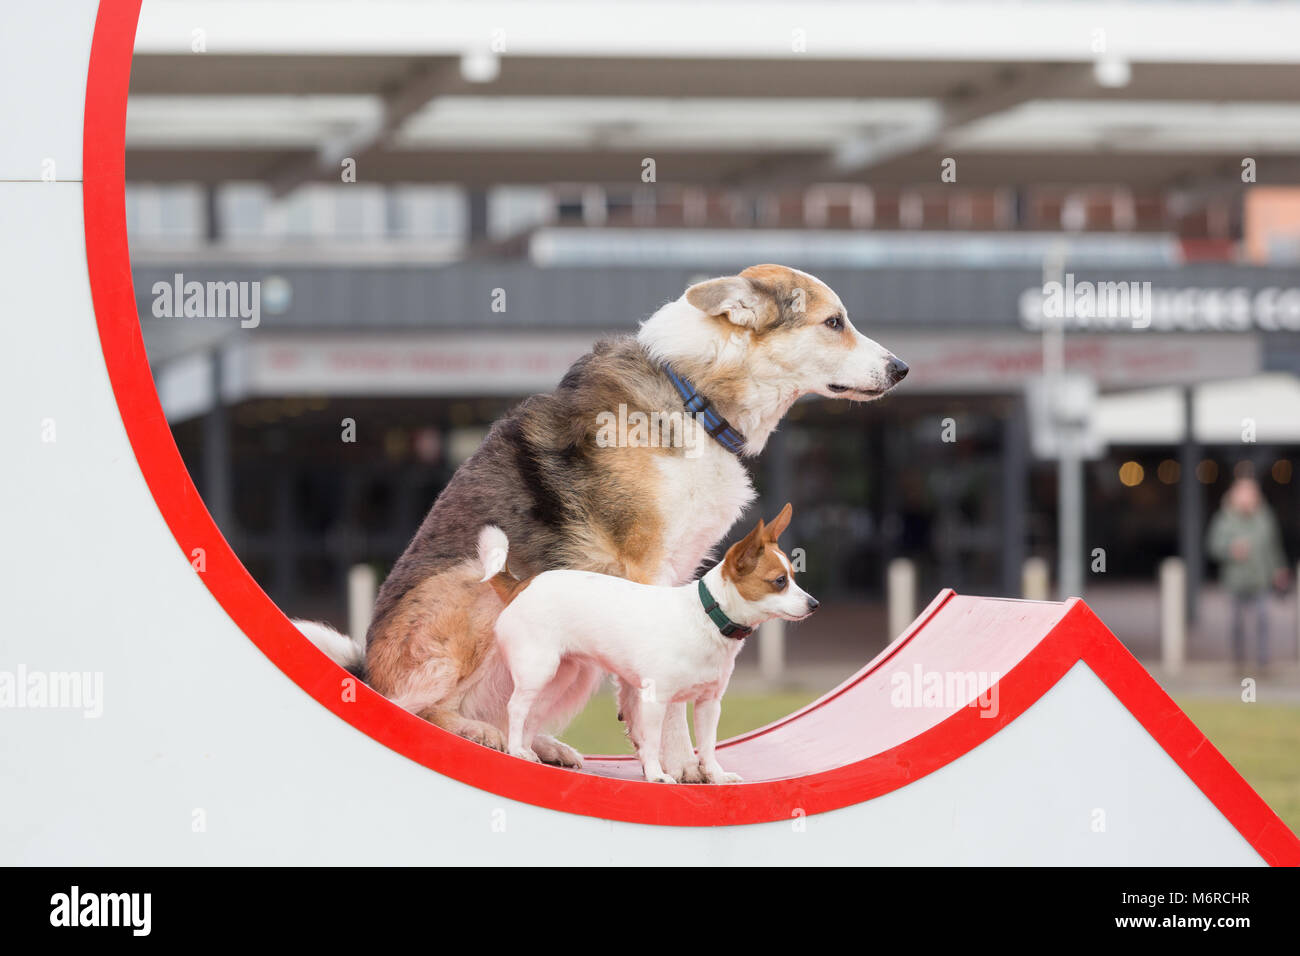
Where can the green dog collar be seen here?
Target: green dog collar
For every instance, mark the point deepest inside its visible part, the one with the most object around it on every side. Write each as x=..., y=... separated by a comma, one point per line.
x=726, y=625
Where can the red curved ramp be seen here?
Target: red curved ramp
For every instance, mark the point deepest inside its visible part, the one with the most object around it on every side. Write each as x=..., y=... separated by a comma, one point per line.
x=950, y=658
x=964, y=670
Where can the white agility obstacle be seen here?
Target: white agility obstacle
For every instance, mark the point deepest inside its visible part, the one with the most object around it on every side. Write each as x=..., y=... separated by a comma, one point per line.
x=990, y=731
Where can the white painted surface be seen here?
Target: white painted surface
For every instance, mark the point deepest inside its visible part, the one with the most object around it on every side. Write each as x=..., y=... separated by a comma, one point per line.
x=43, y=51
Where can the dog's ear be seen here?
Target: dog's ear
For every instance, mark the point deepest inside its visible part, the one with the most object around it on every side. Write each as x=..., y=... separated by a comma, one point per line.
x=779, y=523
x=741, y=301
x=742, y=557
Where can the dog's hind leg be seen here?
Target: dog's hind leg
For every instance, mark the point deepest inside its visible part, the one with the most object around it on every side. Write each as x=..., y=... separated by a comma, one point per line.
x=521, y=712
x=629, y=710
x=534, y=665
x=431, y=692
x=555, y=752
x=572, y=687
x=545, y=746
x=651, y=719
x=433, y=649
x=679, y=761
x=478, y=731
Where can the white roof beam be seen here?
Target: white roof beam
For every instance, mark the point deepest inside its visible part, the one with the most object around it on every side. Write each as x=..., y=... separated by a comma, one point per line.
x=1013, y=88
x=1016, y=88
x=370, y=134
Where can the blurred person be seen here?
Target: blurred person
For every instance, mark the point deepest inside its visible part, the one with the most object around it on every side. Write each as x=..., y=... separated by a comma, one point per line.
x=1245, y=539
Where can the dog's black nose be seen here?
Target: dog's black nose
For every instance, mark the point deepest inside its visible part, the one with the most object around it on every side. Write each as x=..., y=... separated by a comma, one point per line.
x=896, y=370
x=813, y=604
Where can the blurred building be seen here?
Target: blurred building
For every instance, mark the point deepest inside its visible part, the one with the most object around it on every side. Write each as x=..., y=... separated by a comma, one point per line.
x=521, y=189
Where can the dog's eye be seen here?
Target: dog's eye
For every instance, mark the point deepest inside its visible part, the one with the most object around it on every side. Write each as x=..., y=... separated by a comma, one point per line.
x=834, y=323
x=779, y=583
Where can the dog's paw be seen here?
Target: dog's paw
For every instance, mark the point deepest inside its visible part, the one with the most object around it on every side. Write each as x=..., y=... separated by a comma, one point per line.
x=556, y=752
x=689, y=772
x=481, y=733
x=722, y=776
x=659, y=778
x=525, y=753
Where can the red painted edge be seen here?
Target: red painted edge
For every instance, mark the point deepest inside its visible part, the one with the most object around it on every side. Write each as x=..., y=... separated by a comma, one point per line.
x=1079, y=635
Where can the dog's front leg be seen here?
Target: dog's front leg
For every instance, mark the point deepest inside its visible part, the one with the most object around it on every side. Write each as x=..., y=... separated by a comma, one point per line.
x=680, y=762
x=651, y=720
x=707, y=713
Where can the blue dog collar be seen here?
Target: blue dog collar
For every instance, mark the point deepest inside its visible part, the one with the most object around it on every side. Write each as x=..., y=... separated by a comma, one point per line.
x=699, y=408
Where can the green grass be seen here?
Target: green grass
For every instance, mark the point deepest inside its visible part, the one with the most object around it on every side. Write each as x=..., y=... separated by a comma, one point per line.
x=1261, y=740
x=597, y=731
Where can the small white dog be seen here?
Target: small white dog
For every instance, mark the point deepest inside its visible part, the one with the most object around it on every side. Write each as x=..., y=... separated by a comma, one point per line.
x=668, y=644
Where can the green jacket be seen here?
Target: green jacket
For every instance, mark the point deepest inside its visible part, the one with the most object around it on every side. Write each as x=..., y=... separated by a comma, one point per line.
x=1255, y=572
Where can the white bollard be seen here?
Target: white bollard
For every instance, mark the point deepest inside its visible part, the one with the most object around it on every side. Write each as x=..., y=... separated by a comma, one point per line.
x=901, y=588
x=1296, y=581
x=1173, y=614
x=771, y=649
x=1036, y=580
x=362, y=585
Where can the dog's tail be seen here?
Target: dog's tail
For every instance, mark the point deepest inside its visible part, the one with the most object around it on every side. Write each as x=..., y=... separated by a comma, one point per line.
x=493, y=554
x=349, y=653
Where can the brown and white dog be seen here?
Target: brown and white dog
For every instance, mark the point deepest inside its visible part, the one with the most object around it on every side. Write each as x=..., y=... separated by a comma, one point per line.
x=558, y=619
x=649, y=505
